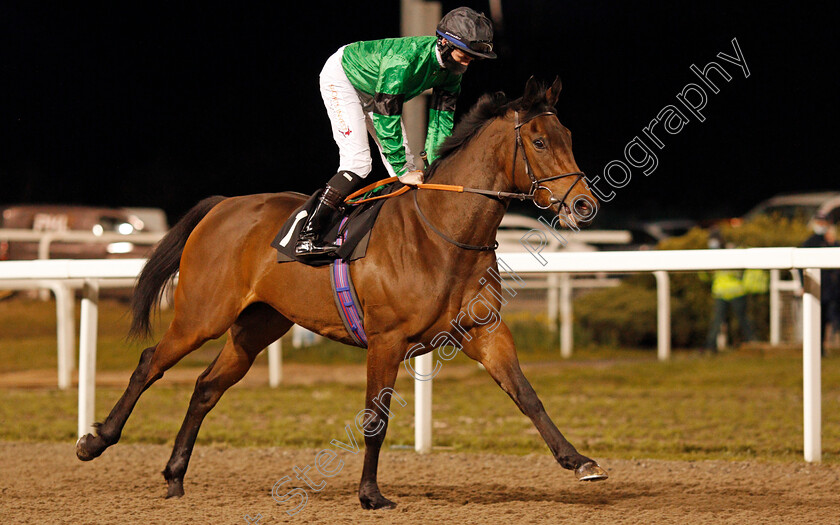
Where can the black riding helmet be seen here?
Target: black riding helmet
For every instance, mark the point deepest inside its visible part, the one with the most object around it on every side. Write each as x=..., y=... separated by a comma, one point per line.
x=467, y=30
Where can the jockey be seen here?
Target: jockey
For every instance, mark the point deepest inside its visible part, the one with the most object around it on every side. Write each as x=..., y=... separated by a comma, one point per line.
x=364, y=86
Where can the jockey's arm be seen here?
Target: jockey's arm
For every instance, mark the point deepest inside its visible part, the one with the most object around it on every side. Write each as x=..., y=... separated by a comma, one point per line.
x=441, y=116
x=387, y=113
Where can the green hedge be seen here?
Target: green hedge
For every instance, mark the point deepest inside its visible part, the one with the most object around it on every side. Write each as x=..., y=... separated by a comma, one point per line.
x=626, y=315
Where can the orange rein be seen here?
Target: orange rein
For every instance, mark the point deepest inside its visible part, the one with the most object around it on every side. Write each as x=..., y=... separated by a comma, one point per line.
x=378, y=184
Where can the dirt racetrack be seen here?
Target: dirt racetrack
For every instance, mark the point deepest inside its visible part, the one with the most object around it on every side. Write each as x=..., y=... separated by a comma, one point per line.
x=45, y=483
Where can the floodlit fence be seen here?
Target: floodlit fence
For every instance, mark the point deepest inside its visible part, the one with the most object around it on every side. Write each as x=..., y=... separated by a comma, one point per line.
x=526, y=235
x=45, y=239
x=64, y=276
x=809, y=260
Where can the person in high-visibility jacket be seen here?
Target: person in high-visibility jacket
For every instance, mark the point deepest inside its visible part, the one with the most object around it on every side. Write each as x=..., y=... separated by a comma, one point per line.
x=729, y=293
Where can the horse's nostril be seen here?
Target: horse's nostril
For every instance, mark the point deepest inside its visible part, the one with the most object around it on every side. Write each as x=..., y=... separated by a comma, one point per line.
x=583, y=210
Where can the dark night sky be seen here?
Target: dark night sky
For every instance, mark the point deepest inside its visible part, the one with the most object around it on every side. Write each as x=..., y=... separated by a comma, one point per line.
x=163, y=106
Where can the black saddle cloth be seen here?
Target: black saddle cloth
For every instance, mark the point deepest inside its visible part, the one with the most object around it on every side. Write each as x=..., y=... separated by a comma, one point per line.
x=355, y=232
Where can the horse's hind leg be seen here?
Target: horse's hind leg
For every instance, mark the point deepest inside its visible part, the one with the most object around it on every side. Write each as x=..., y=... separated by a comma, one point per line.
x=257, y=327
x=177, y=342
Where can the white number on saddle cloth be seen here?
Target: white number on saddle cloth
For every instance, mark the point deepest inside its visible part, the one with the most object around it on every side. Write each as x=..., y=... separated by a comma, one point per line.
x=299, y=217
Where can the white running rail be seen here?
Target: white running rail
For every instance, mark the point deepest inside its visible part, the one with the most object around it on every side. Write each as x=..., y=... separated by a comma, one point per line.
x=90, y=275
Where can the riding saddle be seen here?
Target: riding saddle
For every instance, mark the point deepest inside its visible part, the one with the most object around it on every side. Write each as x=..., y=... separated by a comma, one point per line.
x=353, y=233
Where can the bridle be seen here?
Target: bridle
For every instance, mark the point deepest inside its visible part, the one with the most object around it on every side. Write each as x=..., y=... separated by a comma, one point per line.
x=536, y=185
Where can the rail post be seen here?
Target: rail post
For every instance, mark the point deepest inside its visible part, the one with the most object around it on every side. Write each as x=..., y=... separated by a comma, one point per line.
x=551, y=300
x=423, y=404
x=775, y=308
x=65, y=333
x=43, y=254
x=566, y=326
x=87, y=356
x=275, y=363
x=811, y=345
x=663, y=315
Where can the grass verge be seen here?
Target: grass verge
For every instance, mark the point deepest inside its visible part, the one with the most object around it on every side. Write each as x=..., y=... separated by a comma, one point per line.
x=742, y=405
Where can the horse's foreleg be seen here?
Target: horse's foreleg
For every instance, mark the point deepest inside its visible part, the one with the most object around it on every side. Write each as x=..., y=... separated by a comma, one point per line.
x=257, y=327
x=382, y=368
x=497, y=353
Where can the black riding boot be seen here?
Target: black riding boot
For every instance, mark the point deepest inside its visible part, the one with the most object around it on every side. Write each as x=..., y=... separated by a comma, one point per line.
x=310, y=242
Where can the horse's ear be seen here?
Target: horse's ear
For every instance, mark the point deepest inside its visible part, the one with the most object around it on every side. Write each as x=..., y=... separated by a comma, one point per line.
x=553, y=92
x=532, y=92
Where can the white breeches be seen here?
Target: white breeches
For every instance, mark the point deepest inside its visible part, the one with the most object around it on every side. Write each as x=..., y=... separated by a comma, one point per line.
x=351, y=122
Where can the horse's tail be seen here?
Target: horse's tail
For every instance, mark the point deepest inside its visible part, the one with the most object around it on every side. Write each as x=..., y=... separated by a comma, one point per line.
x=161, y=268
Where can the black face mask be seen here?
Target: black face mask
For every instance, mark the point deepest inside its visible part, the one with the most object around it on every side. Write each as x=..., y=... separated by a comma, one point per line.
x=449, y=63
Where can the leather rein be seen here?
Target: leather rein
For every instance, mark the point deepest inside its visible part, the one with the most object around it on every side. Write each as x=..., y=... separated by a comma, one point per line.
x=536, y=185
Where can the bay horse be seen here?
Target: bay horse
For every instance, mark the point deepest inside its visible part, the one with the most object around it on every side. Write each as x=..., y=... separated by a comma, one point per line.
x=424, y=262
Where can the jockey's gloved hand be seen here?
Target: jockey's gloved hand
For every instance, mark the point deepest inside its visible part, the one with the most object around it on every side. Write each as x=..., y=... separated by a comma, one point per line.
x=412, y=178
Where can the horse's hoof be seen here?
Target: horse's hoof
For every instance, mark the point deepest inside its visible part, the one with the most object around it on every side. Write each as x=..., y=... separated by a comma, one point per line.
x=175, y=489
x=590, y=471
x=376, y=502
x=83, y=448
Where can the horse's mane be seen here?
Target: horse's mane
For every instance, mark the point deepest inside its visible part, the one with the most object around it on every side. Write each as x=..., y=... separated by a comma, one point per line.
x=488, y=107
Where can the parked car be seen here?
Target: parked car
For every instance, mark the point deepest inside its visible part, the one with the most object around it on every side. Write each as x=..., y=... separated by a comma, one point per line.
x=666, y=228
x=516, y=225
x=831, y=209
x=66, y=218
x=801, y=206
x=152, y=219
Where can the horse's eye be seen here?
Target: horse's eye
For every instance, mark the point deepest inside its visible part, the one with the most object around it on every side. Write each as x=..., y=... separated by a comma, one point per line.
x=539, y=143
